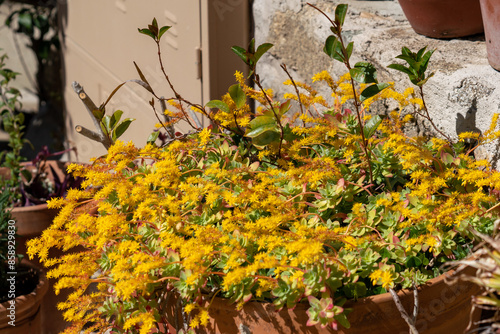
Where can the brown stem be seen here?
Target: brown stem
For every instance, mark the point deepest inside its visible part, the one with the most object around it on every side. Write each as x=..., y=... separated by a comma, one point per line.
x=177, y=95
x=257, y=82
x=283, y=66
x=428, y=117
x=402, y=311
x=338, y=33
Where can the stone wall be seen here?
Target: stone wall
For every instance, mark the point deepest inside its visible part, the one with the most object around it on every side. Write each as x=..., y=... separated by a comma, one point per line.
x=462, y=96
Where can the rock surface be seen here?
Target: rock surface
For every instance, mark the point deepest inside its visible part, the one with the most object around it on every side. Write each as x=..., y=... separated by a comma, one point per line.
x=462, y=96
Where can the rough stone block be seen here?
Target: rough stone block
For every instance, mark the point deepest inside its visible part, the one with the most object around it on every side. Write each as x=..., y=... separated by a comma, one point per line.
x=462, y=96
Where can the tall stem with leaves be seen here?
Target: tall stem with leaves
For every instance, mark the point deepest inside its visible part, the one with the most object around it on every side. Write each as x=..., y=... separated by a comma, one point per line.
x=13, y=124
x=362, y=72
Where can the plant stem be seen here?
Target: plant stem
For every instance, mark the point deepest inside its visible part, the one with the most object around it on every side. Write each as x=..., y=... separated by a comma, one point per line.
x=337, y=30
x=404, y=315
x=257, y=82
x=428, y=117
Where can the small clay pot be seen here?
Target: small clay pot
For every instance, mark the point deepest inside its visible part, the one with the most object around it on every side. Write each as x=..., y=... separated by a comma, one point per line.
x=27, y=315
x=444, y=18
x=491, y=19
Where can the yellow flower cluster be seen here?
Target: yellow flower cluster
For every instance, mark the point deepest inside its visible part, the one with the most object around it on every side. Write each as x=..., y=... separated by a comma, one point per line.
x=316, y=209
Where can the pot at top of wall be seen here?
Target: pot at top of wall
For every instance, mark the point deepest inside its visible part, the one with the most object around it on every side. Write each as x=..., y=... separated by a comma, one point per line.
x=443, y=18
x=490, y=11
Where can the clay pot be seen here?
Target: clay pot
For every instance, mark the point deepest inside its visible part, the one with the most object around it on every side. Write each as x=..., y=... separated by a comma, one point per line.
x=491, y=19
x=28, y=317
x=31, y=221
x=443, y=308
x=443, y=18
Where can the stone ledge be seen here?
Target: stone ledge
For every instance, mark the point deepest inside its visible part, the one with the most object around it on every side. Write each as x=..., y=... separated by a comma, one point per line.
x=462, y=96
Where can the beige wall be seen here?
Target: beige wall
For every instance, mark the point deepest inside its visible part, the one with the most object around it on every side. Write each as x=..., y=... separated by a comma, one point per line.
x=102, y=41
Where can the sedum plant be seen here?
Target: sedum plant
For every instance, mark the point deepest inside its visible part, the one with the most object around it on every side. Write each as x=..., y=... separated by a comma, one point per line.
x=294, y=201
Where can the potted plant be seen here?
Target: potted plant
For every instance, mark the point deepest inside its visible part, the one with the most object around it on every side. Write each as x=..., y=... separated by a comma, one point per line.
x=443, y=18
x=489, y=10
x=294, y=207
x=31, y=183
x=22, y=285
x=39, y=21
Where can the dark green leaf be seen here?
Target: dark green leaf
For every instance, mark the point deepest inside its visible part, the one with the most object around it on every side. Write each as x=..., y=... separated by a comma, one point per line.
x=421, y=52
x=355, y=290
x=372, y=90
x=219, y=105
x=411, y=61
x=413, y=262
x=342, y=319
x=401, y=68
x=27, y=175
x=121, y=128
x=152, y=137
x=333, y=48
x=105, y=122
x=251, y=46
x=364, y=72
x=260, y=125
x=372, y=125
x=115, y=118
x=405, y=51
x=154, y=23
x=163, y=30
x=148, y=32
x=425, y=60
x=340, y=13
x=349, y=49
x=25, y=22
x=237, y=95
x=266, y=138
x=263, y=48
x=240, y=52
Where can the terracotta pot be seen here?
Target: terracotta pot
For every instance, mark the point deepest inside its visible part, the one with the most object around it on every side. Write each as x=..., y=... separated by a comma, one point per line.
x=491, y=19
x=27, y=310
x=443, y=18
x=443, y=309
x=31, y=221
